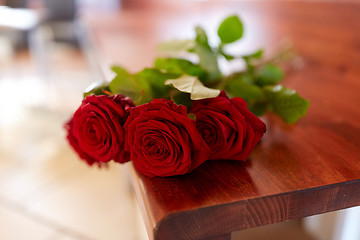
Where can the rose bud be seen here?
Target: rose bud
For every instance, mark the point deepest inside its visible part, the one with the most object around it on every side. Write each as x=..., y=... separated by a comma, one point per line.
x=162, y=140
x=227, y=126
x=96, y=129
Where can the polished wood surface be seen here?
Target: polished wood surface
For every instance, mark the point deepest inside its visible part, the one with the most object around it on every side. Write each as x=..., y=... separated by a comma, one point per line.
x=304, y=169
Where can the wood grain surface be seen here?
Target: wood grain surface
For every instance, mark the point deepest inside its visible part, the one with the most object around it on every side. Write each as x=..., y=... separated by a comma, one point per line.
x=300, y=170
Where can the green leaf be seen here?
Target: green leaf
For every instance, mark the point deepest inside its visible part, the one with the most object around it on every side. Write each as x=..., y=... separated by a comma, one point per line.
x=201, y=37
x=96, y=89
x=132, y=86
x=289, y=105
x=208, y=61
x=231, y=29
x=243, y=87
x=226, y=55
x=156, y=79
x=258, y=108
x=179, y=66
x=269, y=75
x=182, y=98
x=176, y=45
x=207, y=58
x=193, y=86
x=119, y=70
x=122, y=83
x=256, y=55
x=251, y=58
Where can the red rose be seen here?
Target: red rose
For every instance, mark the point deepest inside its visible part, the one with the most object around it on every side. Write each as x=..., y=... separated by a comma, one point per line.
x=162, y=140
x=96, y=130
x=227, y=126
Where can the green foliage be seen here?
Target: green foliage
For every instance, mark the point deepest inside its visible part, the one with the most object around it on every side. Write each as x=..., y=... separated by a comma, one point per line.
x=119, y=70
x=131, y=85
x=226, y=55
x=142, y=86
x=207, y=57
x=258, y=108
x=243, y=86
x=180, y=66
x=181, y=98
x=269, y=74
x=251, y=58
x=184, y=81
x=201, y=37
x=286, y=103
x=156, y=79
x=230, y=30
x=176, y=45
x=256, y=55
x=96, y=89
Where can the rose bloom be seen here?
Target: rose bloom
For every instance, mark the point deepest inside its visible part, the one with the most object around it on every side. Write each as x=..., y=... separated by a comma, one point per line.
x=227, y=126
x=96, y=129
x=162, y=140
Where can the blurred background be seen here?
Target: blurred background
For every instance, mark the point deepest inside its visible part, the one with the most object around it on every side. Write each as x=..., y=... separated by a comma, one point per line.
x=45, y=191
x=47, y=59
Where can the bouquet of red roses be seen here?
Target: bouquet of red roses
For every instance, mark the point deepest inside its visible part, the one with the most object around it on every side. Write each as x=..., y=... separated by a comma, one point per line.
x=181, y=115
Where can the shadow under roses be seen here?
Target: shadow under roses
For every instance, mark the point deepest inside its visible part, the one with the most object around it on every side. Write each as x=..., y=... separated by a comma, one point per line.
x=201, y=187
